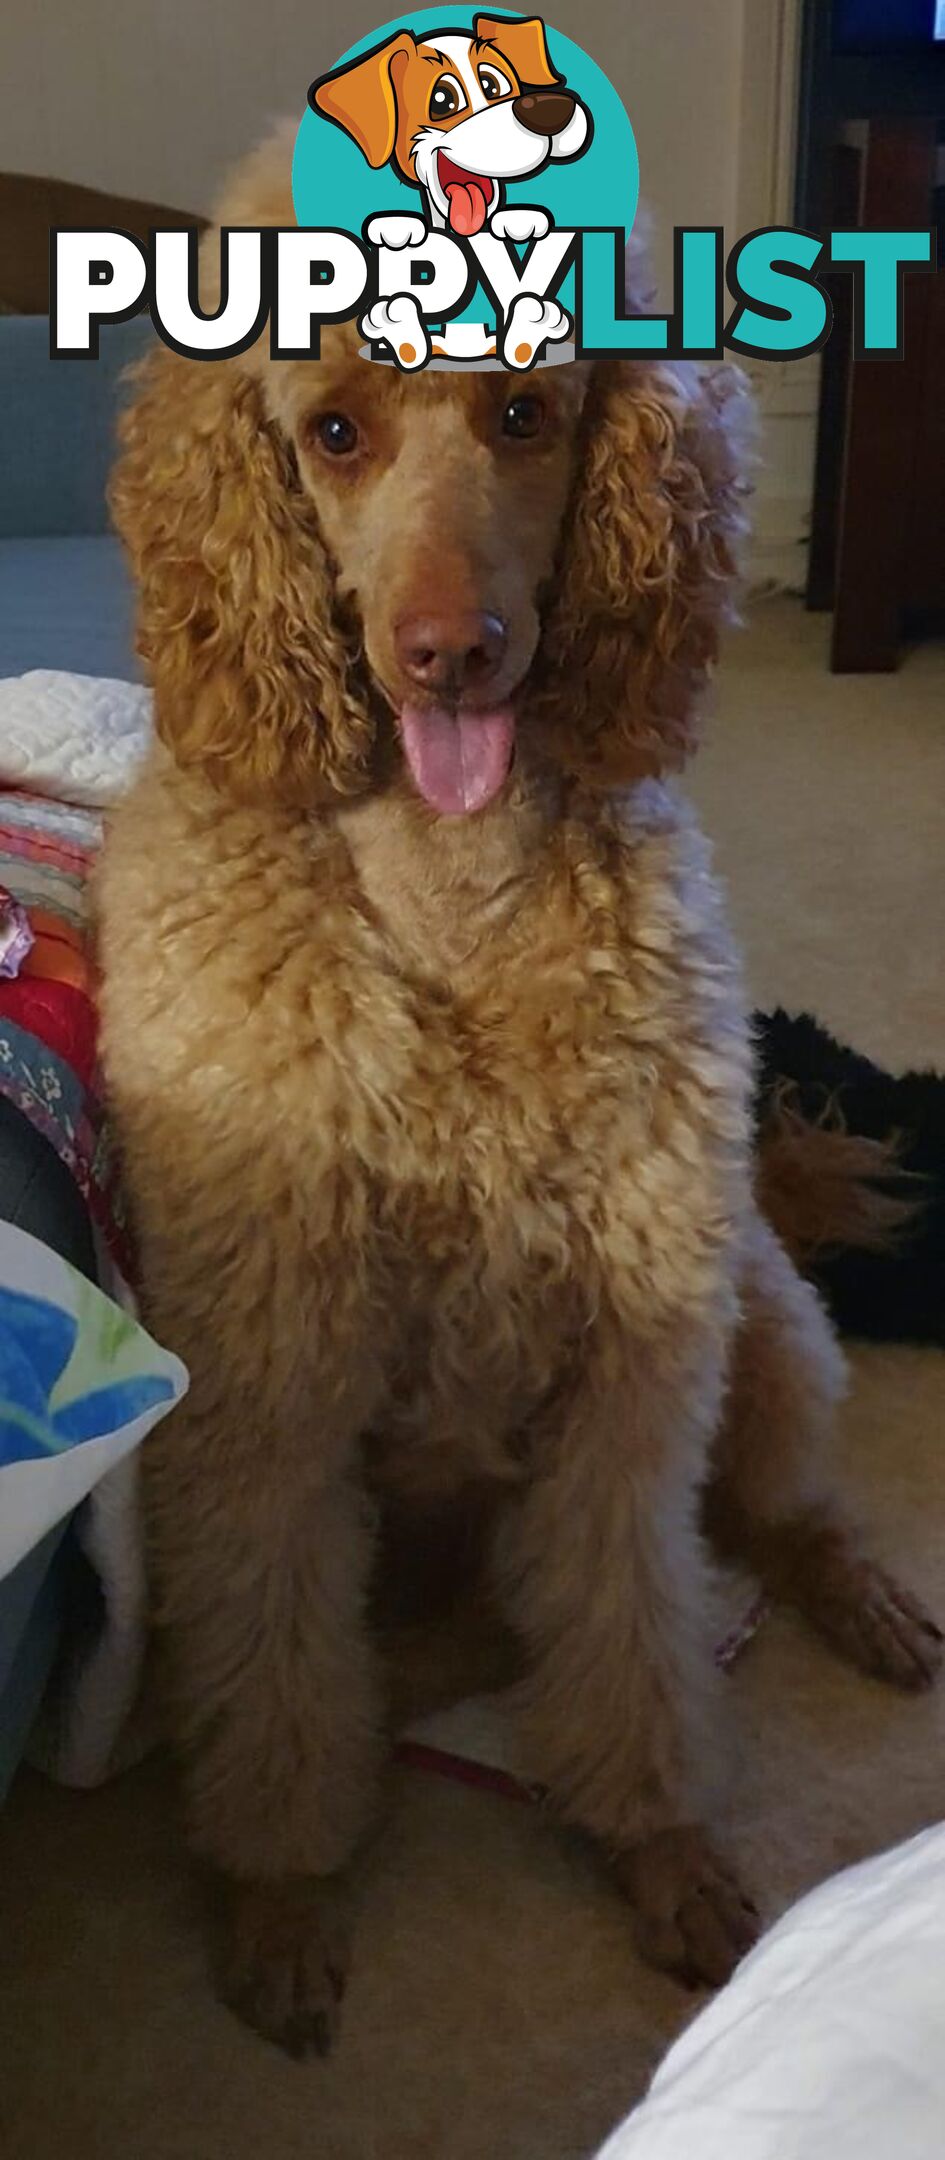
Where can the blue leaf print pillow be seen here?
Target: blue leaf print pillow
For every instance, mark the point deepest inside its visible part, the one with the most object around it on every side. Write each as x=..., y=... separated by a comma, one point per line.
x=40, y=1412
x=80, y=1383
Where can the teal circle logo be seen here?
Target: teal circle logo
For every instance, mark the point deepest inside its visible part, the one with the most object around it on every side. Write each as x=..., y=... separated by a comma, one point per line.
x=449, y=115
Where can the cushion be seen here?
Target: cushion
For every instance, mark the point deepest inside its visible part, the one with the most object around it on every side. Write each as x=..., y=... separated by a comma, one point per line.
x=57, y=426
x=66, y=603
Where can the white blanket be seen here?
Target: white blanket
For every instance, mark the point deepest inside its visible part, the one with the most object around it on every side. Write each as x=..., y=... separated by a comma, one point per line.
x=829, y=2044
x=77, y=737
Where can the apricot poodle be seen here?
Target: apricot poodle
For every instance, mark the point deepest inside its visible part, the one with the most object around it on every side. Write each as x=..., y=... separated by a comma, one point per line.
x=429, y=1056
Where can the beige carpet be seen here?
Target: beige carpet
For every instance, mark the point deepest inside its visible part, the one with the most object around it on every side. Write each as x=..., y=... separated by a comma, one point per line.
x=496, y=2007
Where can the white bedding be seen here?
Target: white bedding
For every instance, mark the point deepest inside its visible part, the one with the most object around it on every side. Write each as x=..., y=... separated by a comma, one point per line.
x=829, y=2044
x=78, y=737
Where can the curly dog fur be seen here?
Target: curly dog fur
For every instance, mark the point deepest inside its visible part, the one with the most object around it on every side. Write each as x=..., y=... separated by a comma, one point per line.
x=438, y=1130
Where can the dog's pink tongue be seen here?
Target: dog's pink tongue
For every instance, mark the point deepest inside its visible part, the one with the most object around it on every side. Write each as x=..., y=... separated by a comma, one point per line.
x=459, y=763
x=468, y=205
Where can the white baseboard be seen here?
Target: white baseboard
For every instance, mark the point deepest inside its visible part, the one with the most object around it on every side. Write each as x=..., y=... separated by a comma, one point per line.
x=787, y=397
x=780, y=530
x=776, y=565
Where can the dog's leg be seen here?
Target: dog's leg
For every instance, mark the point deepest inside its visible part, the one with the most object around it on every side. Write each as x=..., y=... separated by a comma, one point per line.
x=260, y=1546
x=259, y=1577
x=602, y=1572
x=773, y=1501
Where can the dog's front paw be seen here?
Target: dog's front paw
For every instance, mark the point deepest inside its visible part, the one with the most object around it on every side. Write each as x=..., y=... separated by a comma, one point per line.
x=694, y=1919
x=395, y=229
x=865, y=1615
x=399, y=323
x=520, y=221
x=279, y=1973
x=531, y=324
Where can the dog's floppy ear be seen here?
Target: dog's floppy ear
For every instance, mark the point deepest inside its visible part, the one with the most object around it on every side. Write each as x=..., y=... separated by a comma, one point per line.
x=646, y=568
x=523, y=42
x=362, y=99
x=251, y=673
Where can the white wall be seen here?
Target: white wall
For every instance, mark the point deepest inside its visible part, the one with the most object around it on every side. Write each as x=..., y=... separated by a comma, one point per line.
x=157, y=97
x=787, y=393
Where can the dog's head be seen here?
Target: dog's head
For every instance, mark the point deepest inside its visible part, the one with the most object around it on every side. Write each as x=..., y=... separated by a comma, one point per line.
x=458, y=114
x=348, y=576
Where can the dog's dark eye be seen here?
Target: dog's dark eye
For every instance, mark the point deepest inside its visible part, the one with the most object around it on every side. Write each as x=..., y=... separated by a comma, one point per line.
x=446, y=98
x=493, y=84
x=336, y=434
x=523, y=417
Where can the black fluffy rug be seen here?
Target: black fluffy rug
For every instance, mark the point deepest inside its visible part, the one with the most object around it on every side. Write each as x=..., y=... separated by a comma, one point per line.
x=897, y=1295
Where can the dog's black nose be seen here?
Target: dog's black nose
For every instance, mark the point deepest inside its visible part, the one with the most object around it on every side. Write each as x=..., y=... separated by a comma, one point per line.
x=450, y=655
x=546, y=112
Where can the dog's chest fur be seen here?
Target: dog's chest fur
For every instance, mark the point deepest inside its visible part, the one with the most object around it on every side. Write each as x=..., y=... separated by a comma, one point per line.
x=509, y=1084
x=563, y=1123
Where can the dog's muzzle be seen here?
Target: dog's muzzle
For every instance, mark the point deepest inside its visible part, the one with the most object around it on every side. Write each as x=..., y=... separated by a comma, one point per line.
x=544, y=112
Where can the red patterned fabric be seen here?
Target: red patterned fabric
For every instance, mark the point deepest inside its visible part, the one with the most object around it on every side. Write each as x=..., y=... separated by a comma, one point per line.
x=48, y=1022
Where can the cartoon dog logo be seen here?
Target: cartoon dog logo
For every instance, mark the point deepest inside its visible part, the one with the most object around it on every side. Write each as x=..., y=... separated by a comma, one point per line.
x=458, y=115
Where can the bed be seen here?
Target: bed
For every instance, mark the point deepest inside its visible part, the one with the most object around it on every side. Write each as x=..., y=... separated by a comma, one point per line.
x=65, y=602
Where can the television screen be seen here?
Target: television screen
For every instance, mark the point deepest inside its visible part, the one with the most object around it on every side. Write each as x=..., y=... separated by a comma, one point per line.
x=871, y=26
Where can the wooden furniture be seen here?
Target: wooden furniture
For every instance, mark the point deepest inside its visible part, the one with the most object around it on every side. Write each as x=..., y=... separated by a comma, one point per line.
x=31, y=206
x=869, y=155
